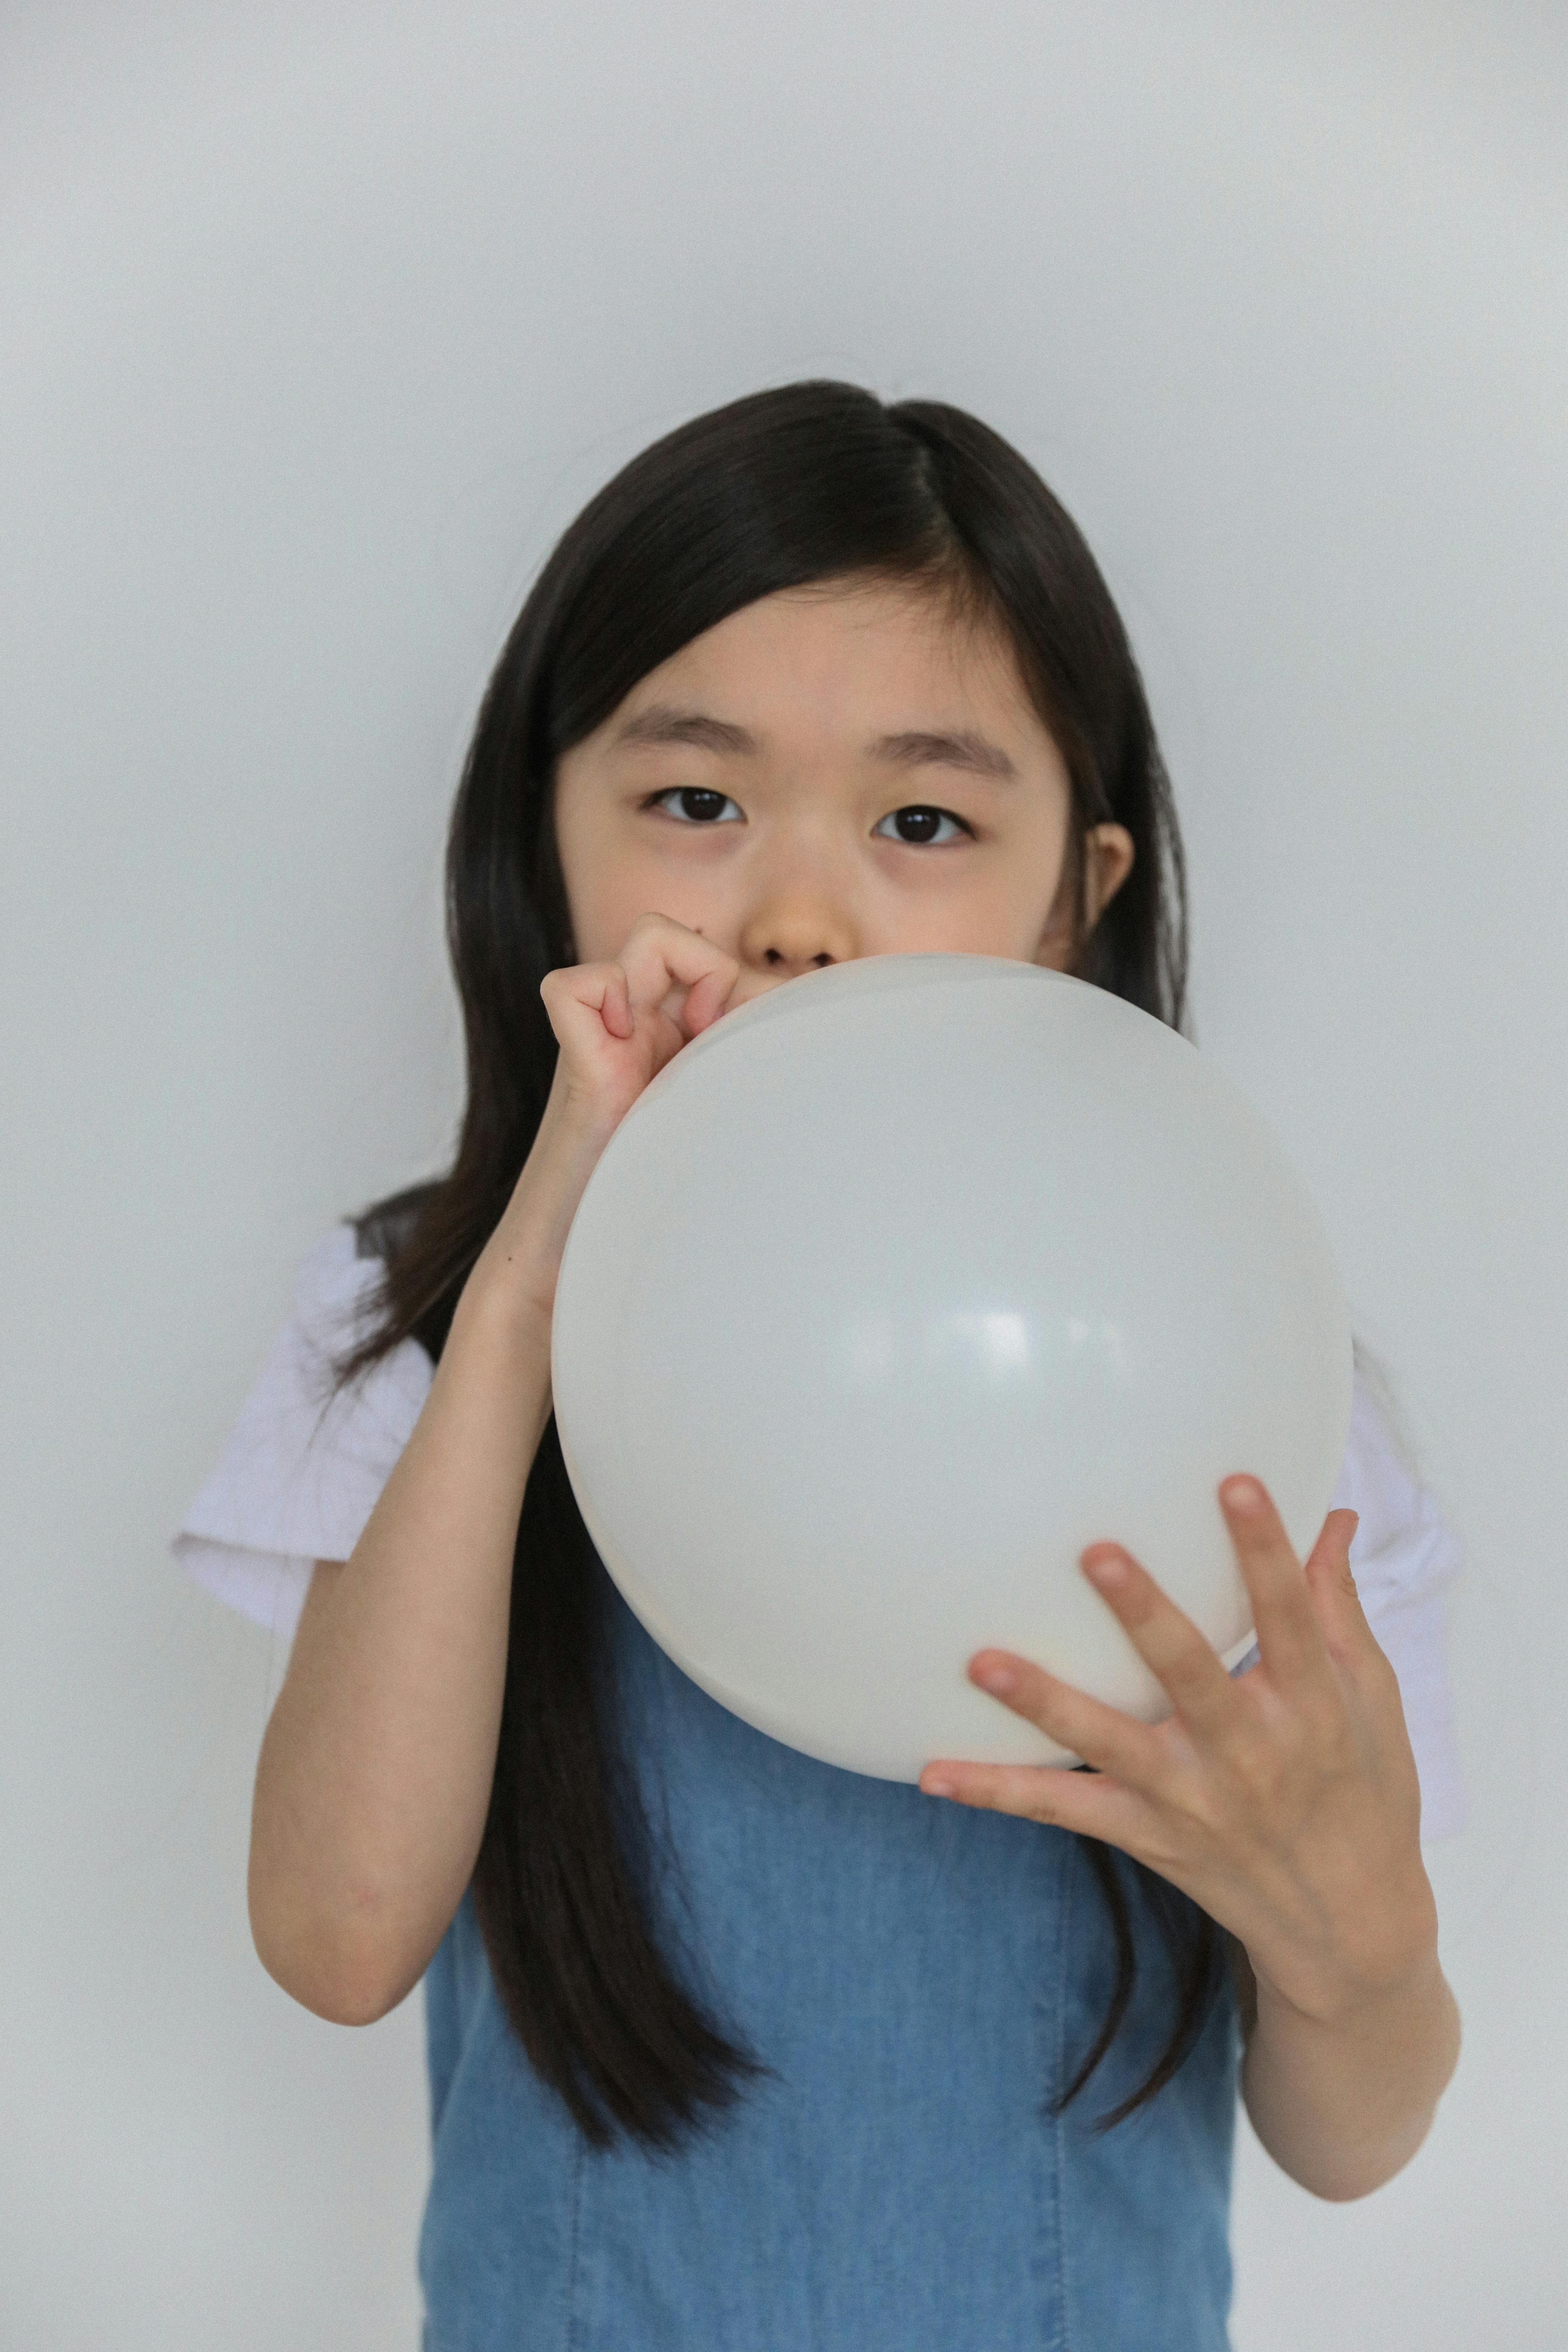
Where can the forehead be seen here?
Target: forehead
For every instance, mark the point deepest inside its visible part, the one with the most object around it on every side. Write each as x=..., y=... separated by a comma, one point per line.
x=866, y=660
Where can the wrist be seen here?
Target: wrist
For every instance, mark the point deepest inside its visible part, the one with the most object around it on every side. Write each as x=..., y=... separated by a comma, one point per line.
x=1341, y=2101
x=511, y=1290
x=1358, y=1994
x=521, y=1263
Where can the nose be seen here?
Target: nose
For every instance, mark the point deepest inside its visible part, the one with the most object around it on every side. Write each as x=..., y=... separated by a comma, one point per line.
x=798, y=920
x=805, y=937
x=779, y=960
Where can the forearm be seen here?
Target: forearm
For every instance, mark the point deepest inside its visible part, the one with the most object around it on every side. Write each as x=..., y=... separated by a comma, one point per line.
x=1342, y=2104
x=374, y=1775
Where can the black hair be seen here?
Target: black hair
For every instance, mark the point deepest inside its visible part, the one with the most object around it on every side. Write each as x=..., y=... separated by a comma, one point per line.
x=808, y=483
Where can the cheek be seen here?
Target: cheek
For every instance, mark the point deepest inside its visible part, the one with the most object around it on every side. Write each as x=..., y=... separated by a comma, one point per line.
x=617, y=875
x=600, y=869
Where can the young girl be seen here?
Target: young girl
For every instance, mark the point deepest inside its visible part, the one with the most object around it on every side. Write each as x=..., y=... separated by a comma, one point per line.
x=729, y=2050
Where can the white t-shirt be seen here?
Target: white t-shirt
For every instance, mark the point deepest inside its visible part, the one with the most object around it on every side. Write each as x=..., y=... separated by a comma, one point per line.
x=300, y=1472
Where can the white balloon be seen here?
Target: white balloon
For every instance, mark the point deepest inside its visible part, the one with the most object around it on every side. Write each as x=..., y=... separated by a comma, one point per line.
x=896, y=1288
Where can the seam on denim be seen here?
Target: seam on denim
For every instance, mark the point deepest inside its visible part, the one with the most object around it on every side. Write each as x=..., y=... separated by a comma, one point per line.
x=1066, y=1856
x=574, y=2337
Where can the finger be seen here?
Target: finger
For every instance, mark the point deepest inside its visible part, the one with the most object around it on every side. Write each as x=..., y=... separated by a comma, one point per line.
x=660, y=953
x=1352, y=1646
x=1186, y=1663
x=1289, y=1639
x=1053, y=1793
x=616, y=1006
x=1341, y=1613
x=1112, y=1742
x=572, y=990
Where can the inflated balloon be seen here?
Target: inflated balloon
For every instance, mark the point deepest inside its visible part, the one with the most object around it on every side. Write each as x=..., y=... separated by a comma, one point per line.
x=896, y=1288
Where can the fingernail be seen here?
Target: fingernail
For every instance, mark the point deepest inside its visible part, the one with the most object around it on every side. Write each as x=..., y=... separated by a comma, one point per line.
x=940, y=1788
x=996, y=1678
x=1243, y=1495
x=1107, y=1570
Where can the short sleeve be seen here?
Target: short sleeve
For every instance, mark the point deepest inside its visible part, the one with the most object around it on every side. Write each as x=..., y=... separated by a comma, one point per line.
x=1404, y=1558
x=302, y=1466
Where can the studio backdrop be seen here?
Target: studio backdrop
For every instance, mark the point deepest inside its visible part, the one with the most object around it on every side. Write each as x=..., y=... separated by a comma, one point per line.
x=319, y=323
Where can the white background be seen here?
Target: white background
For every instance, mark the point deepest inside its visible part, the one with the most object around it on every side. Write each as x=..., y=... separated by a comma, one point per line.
x=319, y=325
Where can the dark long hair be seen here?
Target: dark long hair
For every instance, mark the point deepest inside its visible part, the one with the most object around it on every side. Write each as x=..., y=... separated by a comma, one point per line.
x=811, y=482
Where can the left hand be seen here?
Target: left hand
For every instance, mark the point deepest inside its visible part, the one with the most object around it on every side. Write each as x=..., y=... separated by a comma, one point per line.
x=1284, y=1801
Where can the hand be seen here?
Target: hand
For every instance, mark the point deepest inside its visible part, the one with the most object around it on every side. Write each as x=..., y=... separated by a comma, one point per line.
x=1284, y=1801
x=617, y=1026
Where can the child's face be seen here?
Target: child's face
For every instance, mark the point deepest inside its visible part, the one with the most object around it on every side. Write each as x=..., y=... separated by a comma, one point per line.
x=750, y=789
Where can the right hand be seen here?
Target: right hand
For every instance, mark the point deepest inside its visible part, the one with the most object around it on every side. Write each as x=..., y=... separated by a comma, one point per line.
x=618, y=1024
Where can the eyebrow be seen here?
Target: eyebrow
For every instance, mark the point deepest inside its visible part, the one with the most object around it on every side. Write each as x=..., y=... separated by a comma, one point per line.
x=918, y=749
x=959, y=750
x=660, y=724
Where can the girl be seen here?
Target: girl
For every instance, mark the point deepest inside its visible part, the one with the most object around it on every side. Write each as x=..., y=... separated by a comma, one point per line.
x=731, y=2049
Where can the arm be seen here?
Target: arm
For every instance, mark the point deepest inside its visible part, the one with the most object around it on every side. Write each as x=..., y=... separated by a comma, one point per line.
x=1287, y=1802
x=375, y=1779
x=1343, y=2104
x=375, y=1774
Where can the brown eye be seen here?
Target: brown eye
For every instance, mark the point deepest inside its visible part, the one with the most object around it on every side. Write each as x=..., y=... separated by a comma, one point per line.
x=916, y=826
x=698, y=805
x=919, y=825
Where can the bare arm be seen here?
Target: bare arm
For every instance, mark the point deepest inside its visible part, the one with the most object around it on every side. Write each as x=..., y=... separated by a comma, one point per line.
x=1286, y=1802
x=375, y=1772
x=1342, y=2104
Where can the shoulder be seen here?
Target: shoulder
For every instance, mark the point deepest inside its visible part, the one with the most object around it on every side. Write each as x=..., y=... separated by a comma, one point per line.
x=1403, y=1546
x=304, y=1461
x=335, y=1285
x=332, y=1282
x=1403, y=1556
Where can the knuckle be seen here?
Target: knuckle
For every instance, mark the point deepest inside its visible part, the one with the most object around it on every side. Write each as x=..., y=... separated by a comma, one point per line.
x=1325, y=1727
x=1373, y=1673
x=1263, y=1772
x=1196, y=1654
x=1194, y=1798
x=1256, y=1746
x=1189, y=1658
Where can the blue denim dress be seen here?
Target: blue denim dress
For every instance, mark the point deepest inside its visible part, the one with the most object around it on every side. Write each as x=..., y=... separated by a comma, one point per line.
x=923, y=1978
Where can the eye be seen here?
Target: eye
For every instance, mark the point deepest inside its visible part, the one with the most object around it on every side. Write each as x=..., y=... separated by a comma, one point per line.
x=701, y=808
x=920, y=815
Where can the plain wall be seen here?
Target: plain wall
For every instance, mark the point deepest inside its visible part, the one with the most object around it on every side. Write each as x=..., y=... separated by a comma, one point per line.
x=319, y=325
